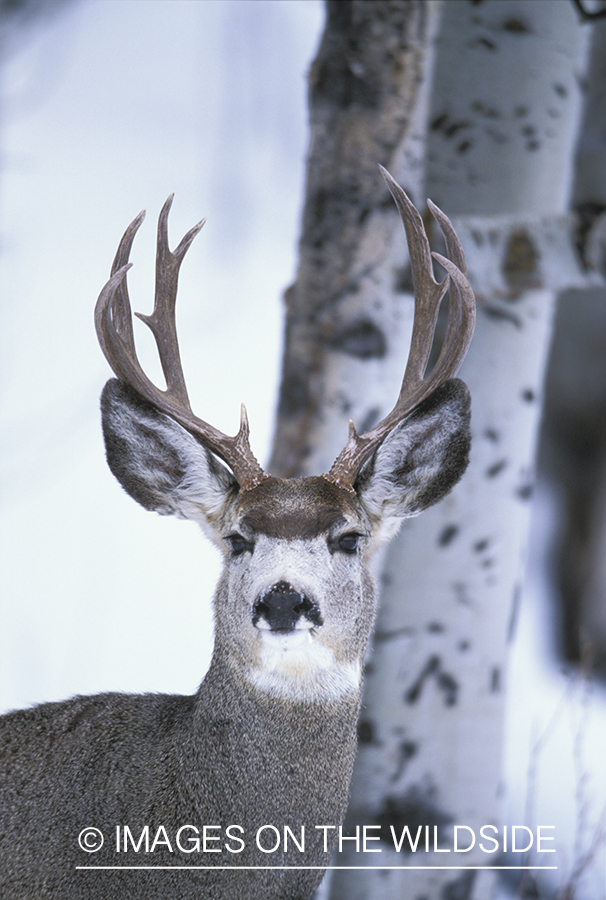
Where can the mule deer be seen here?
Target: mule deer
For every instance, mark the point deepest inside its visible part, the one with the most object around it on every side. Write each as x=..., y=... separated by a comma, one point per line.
x=260, y=758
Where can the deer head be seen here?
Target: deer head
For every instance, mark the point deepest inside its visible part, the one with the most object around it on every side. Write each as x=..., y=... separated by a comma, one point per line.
x=296, y=600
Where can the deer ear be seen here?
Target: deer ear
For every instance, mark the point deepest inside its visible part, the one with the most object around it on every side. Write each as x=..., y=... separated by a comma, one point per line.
x=420, y=461
x=160, y=464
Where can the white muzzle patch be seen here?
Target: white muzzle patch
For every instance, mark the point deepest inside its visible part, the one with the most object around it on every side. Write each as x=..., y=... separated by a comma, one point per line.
x=297, y=666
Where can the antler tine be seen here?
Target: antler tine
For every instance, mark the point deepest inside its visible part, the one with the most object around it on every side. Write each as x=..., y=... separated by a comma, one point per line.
x=462, y=309
x=114, y=301
x=428, y=292
x=416, y=385
x=162, y=321
x=113, y=322
x=124, y=323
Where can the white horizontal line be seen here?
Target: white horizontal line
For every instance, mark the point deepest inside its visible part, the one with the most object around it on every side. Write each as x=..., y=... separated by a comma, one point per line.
x=323, y=868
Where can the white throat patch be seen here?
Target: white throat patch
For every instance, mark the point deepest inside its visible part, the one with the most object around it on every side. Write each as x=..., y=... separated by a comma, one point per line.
x=296, y=666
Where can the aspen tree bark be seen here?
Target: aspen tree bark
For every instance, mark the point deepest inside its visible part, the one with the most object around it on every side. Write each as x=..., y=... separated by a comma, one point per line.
x=488, y=100
x=347, y=327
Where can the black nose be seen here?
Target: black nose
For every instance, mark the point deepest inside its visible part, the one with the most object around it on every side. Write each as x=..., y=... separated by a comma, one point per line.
x=282, y=606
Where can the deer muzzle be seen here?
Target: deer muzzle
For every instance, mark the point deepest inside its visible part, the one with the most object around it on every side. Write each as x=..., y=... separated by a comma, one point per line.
x=284, y=609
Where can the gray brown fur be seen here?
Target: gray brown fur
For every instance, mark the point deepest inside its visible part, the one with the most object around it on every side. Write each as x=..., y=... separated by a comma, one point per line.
x=237, y=752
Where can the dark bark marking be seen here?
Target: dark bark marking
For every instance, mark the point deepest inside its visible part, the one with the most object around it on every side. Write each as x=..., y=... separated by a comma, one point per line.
x=496, y=468
x=528, y=395
x=431, y=667
x=407, y=750
x=525, y=492
x=521, y=262
x=495, y=680
x=447, y=535
x=366, y=732
x=438, y=123
x=328, y=210
x=445, y=682
x=391, y=635
x=482, y=545
x=361, y=339
x=451, y=128
x=461, y=596
x=449, y=687
x=416, y=808
x=294, y=393
x=459, y=889
x=454, y=127
x=485, y=42
x=490, y=112
x=499, y=314
x=515, y=25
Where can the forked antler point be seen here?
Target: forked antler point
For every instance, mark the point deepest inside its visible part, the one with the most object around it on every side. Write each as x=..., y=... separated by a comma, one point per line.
x=113, y=322
x=417, y=384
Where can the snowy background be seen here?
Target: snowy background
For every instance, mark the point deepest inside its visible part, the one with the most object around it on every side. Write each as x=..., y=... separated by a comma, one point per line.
x=108, y=107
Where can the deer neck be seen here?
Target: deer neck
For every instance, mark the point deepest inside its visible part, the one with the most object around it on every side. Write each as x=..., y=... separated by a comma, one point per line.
x=275, y=725
x=297, y=756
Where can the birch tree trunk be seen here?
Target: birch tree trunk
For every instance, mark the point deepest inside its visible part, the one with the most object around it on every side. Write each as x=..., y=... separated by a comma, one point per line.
x=477, y=106
x=349, y=312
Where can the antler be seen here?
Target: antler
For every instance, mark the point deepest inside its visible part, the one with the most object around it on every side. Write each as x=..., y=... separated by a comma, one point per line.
x=416, y=386
x=113, y=321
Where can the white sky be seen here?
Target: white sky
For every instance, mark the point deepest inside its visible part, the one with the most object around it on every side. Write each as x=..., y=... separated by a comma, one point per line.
x=108, y=109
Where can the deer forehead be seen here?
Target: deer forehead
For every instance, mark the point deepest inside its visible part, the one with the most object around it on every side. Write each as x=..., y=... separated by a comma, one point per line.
x=306, y=565
x=296, y=508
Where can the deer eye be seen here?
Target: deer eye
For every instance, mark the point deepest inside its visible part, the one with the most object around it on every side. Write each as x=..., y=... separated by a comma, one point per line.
x=349, y=542
x=239, y=544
